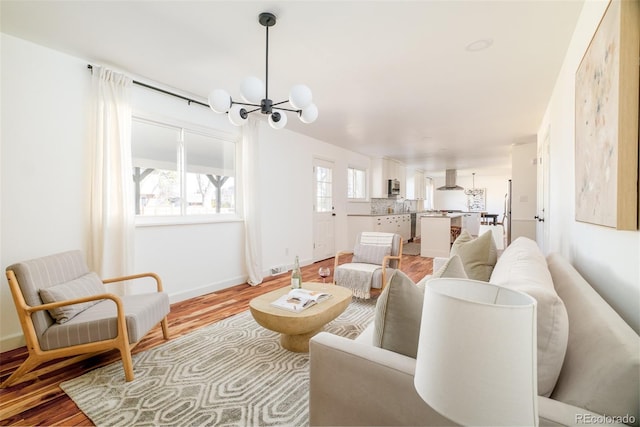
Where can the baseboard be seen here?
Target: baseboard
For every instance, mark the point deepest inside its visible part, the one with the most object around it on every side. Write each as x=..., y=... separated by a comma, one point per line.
x=12, y=342
x=206, y=289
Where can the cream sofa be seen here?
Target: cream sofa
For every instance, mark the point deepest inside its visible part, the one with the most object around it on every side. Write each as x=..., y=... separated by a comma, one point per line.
x=353, y=382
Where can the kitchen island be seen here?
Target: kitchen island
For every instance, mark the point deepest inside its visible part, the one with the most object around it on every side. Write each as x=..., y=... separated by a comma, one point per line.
x=436, y=233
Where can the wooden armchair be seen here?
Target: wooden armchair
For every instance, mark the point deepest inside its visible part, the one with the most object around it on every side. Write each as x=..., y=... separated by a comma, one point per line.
x=375, y=257
x=66, y=310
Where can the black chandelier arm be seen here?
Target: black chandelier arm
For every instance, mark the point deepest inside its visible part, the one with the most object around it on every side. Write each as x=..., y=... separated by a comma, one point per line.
x=287, y=109
x=254, y=110
x=244, y=103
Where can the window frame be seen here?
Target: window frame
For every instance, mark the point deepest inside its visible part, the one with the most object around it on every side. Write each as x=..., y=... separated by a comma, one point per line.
x=184, y=218
x=365, y=172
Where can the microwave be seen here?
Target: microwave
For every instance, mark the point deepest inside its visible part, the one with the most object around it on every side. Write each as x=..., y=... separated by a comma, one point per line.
x=393, y=187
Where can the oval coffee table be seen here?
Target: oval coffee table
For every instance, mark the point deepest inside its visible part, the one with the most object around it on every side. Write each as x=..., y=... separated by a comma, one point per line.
x=296, y=328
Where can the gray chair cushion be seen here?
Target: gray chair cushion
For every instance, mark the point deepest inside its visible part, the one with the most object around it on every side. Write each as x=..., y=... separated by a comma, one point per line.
x=99, y=322
x=370, y=254
x=39, y=273
x=85, y=286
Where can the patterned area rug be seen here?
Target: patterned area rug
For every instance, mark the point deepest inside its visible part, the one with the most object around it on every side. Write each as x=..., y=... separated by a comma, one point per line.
x=232, y=372
x=411, y=248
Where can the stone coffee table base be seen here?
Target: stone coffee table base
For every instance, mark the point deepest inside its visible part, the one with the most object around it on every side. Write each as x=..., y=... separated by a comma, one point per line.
x=297, y=328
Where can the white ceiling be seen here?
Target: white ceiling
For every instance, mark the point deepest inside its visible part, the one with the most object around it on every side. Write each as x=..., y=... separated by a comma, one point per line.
x=390, y=78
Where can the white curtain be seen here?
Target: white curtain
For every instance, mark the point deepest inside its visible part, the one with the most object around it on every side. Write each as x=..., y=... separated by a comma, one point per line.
x=250, y=191
x=112, y=212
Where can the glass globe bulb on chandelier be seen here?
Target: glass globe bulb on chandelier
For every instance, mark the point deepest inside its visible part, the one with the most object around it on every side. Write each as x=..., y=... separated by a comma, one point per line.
x=252, y=90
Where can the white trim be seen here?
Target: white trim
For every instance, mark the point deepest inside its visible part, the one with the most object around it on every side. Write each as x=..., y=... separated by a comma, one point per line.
x=12, y=342
x=154, y=221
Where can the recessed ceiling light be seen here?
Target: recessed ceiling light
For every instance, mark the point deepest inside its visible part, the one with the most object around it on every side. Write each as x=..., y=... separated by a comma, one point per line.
x=479, y=45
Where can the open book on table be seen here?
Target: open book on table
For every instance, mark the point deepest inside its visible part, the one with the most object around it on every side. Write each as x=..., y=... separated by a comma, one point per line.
x=300, y=299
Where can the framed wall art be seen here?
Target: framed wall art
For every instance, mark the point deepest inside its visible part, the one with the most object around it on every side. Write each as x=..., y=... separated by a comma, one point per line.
x=476, y=199
x=606, y=127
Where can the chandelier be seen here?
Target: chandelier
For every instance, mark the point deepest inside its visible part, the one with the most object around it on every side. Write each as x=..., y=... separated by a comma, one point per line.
x=252, y=91
x=473, y=191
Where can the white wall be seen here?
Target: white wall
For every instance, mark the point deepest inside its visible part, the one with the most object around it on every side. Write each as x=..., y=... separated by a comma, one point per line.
x=287, y=200
x=607, y=258
x=494, y=181
x=44, y=179
x=44, y=160
x=523, y=197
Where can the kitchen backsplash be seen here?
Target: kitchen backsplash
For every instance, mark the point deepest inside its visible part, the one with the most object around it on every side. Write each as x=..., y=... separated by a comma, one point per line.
x=382, y=206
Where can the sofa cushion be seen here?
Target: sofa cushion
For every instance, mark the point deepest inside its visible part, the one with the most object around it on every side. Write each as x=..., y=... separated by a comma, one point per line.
x=370, y=254
x=601, y=370
x=398, y=315
x=84, y=286
x=478, y=255
x=523, y=267
x=452, y=268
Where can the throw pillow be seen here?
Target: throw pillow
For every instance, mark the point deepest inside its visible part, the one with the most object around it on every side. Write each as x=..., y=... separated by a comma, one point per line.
x=524, y=268
x=452, y=268
x=478, y=255
x=398, y=315
x=84, y=286
x=370, y=254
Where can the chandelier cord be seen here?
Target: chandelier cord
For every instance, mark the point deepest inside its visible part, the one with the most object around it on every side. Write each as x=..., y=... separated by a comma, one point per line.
x=266, y=72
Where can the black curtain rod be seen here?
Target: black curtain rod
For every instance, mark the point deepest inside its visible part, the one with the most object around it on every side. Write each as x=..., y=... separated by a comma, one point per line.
x=189, y=100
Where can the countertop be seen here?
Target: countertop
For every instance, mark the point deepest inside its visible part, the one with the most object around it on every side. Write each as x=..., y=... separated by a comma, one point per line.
x=435, y=214
x=383, y=214
x=439, y=215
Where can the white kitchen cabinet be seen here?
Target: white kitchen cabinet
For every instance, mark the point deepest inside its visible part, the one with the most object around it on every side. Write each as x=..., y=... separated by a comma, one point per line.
x=393, y=223
x=404, y=229
x=436, y=241
x=382, y=170
x=415, y=185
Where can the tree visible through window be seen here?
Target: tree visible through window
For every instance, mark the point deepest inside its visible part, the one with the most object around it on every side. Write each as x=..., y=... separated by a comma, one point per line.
x=177, y=171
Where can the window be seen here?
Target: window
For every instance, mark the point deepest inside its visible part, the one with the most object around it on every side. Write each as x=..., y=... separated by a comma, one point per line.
x=324, y=199
x=179, y=171
x=356, y=183
x=428, y=197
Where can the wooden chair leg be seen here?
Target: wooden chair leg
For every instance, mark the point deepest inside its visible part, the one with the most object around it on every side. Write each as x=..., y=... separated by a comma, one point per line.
x=165, y=328
x=127, y=363
x=26, y=366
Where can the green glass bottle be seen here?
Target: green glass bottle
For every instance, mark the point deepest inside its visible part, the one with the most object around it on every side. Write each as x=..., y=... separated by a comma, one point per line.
x=296, y=275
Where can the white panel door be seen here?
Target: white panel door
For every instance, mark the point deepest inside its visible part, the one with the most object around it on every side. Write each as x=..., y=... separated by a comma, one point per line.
x=542, y=228
x=323, y=210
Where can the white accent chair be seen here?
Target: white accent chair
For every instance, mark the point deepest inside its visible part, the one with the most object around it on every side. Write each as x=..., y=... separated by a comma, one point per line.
x=376, y=256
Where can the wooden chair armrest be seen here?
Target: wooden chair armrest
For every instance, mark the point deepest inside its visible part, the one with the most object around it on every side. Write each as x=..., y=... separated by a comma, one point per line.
x=136, y=276
x=387, y=258
x=52, y=305
x=344, y=253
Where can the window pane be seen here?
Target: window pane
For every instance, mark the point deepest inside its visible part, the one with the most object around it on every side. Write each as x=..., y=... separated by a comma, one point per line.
x=324, y=201
x=154, y=151
x=210, y=167
x=356, y=183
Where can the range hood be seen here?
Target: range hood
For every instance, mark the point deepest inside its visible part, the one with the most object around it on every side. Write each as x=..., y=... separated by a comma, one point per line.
x=450, y=181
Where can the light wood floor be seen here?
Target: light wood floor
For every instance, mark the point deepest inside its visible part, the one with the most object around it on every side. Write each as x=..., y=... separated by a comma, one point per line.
x=42, y=402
